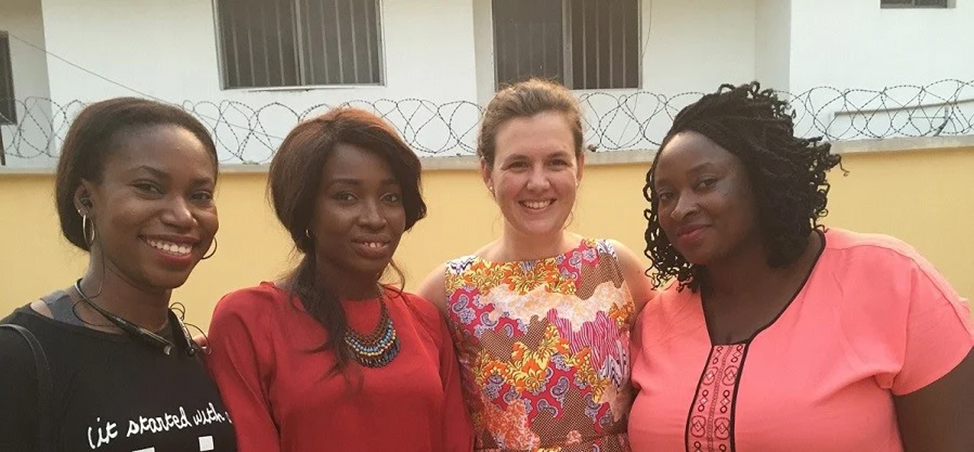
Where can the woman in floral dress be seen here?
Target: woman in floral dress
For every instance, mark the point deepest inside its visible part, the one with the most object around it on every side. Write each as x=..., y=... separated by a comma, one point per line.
x=541, y=317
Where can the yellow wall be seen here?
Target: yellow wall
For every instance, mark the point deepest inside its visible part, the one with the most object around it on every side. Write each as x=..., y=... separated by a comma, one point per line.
x=923, y=197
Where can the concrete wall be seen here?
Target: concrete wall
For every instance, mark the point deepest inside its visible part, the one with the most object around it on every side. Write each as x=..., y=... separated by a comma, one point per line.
x=168, y=50
x=923, y=197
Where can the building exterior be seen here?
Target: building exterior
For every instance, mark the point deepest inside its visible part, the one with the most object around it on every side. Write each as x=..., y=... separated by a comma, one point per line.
x=252, y=68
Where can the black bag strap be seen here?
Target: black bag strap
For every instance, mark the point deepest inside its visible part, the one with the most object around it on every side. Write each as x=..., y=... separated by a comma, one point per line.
x=45, y=389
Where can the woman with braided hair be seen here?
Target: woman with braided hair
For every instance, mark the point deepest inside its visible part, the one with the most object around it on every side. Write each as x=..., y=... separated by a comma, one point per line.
x=777, y=333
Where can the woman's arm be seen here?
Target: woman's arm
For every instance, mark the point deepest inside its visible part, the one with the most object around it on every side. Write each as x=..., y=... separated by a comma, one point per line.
x=18, y=394
x=234, y=362
x=433, y=288
x=940, y=416
x=633, y=270
x=457, y=426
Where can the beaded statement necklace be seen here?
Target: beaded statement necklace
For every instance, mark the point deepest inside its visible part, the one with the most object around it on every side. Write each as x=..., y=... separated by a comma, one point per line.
x=378, y=348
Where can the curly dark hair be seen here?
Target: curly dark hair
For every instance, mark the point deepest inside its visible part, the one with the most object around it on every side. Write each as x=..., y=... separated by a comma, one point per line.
x=786, y=175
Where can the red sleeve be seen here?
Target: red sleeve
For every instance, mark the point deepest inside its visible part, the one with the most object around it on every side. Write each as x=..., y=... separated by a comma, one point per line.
x=457, y=425
x=237, y=361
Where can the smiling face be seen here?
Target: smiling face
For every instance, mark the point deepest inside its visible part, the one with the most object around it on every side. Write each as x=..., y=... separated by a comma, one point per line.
x=153, y=208
x=359, y=215
x=705, y=204
x=535, y=175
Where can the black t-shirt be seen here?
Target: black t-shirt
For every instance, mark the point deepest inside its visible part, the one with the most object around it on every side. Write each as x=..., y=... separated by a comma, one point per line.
x=112, y=393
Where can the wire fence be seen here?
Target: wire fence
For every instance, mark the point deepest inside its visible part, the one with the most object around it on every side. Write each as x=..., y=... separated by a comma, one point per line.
x=614, y=121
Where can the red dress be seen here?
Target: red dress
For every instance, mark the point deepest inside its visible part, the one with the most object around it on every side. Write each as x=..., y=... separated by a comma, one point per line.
x=281, y=397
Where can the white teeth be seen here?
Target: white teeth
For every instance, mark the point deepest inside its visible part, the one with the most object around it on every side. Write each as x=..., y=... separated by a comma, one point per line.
x=537, y=205
x=170, y=247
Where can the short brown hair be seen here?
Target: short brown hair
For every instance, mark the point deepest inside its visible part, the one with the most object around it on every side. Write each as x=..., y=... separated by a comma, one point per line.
x=524, y=100
x=90, y=142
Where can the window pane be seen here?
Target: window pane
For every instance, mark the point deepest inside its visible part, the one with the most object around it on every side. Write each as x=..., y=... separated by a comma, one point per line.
x=257, y=42
x=8, y=105
x=341, y=42
x=605, y=44
x=528, y=40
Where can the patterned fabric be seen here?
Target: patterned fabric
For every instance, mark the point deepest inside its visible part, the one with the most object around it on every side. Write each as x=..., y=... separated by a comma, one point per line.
x=710, y=419
x=544, y=349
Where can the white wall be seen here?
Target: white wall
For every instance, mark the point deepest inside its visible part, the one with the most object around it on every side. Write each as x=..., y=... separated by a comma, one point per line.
x=437, y=50
x=167, y=49
x=858, y=45
x=22, y=19
x=688, y=47
x=772, y=43
x=442, y=51
x=695, y=45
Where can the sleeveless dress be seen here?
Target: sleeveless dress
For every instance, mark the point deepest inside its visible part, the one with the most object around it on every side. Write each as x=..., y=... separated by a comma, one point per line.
x=543, y=347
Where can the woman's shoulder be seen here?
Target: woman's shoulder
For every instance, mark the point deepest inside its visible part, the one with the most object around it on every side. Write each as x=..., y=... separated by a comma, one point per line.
x=416, y=303
x=459, y=265
x=41, y=325
x=882, y=265
x=254, y=300
x=421, y=310
x=838, y=239
x=856, y=253
x=14, y=349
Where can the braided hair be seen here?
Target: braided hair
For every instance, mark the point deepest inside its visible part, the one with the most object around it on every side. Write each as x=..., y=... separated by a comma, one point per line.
x=786, y=175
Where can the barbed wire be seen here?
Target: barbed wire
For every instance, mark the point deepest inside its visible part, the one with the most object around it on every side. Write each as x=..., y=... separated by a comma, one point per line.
x=613, y=121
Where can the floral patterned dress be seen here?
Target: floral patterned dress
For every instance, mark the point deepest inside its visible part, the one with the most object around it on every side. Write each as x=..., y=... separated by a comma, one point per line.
x=544, y=349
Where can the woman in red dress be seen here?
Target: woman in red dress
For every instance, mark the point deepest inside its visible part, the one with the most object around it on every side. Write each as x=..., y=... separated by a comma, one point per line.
x=328, y=358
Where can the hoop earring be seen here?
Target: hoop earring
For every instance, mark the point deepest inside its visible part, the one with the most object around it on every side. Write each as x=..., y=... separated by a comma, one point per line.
x=84, y=230
x=307, y=233
x=216, y=245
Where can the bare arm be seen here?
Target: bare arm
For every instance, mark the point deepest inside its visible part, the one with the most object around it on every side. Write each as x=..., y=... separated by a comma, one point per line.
x=634, y=271
x=433, y=288
x=939, y=417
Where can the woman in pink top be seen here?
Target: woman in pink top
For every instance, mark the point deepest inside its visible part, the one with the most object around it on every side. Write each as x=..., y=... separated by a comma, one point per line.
x=779, y=334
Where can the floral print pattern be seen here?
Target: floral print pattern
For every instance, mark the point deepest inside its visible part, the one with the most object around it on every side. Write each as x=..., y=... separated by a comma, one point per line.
x=544, y=349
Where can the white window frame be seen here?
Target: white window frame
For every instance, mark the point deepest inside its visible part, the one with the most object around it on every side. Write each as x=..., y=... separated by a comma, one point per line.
x=913, y=5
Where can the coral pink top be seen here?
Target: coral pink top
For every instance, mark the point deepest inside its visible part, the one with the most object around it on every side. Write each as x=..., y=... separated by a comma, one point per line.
x=873, y=320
